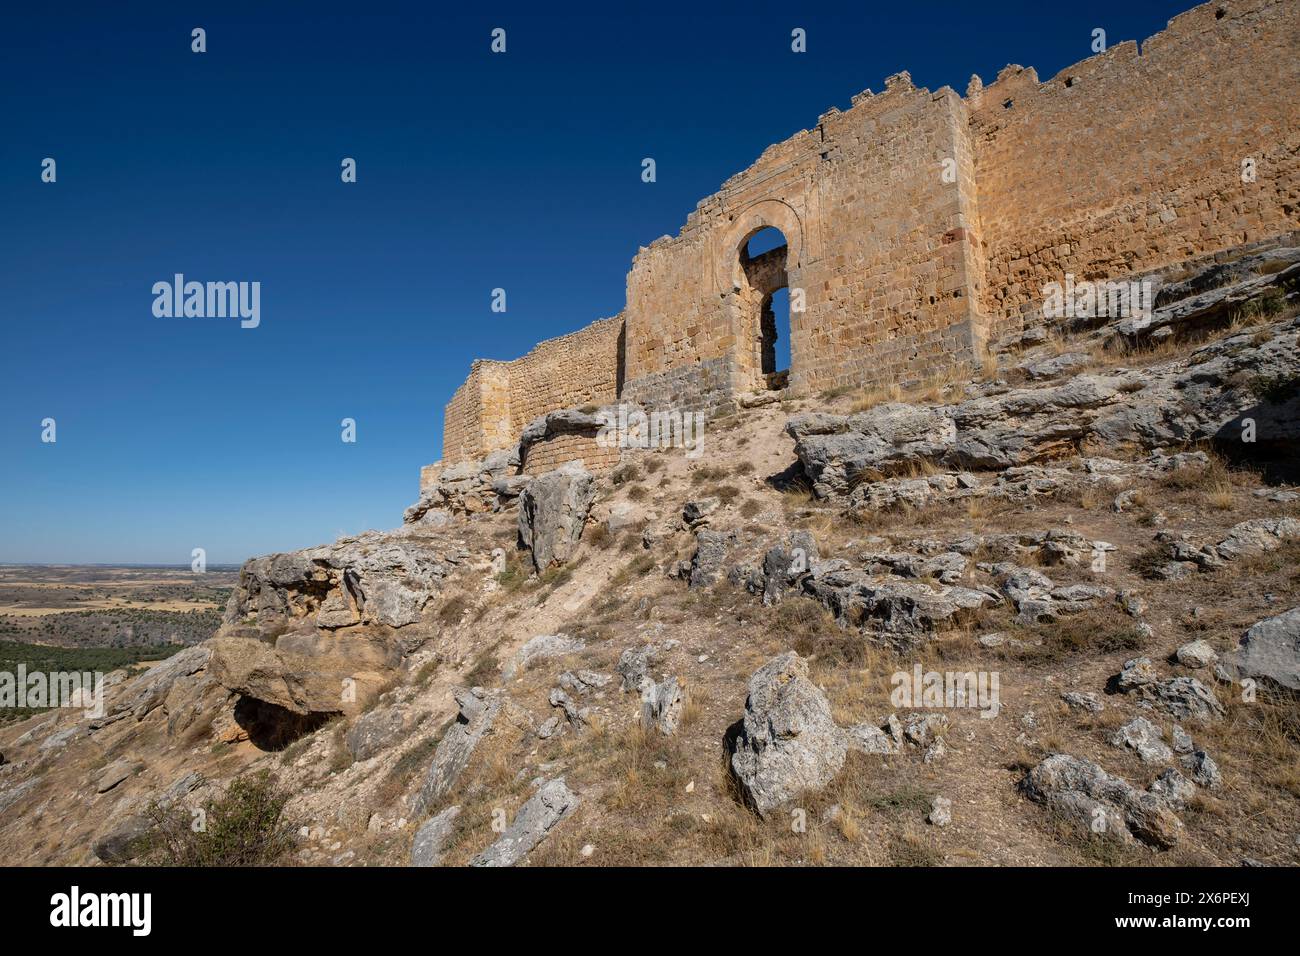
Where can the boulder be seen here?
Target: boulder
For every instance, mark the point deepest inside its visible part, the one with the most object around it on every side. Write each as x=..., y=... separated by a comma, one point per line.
x=384, y=578
x=788, y=742
x=940, y=812
x=583, y=682
x=1270, y=650
x=116, y=772
x=1184, y=698
x=1257, y=536
x=634, y=667
x=478, y=711
x=1202, y=769
x=710, y=556
x=1090, y=701
x=541, y=647
x=924, y=728
x=785, y=564
x=697, y=512
x=662, y=705
x=869, y=739
x=1137, y=672
x=1172, y=787
x=1196, y=654
x=905, y=612
x=466, y=488
x=575, y=715
x=1145, y=738
x=552, y=512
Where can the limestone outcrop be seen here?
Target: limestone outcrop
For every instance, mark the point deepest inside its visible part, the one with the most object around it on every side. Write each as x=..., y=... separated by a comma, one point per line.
x=380, y=578
x=552, y=802
x=1209, y=396
x=552, y=513
x=1097, y=802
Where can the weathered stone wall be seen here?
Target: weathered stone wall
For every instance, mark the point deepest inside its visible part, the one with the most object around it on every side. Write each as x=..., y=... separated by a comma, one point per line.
x=880, y=245
x=555, y=451
x=499, y=398
x=918, y=225
x=1124, y=163
x=462, y=420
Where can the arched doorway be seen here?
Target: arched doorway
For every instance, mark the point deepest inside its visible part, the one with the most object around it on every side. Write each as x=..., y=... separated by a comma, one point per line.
x=764, y=301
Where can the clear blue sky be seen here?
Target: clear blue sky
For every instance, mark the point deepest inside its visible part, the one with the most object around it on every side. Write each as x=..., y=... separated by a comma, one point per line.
x=475, y=171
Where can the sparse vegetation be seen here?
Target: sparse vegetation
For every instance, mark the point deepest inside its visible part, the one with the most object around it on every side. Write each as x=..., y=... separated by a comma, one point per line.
x=485, y=670
x=245, y=826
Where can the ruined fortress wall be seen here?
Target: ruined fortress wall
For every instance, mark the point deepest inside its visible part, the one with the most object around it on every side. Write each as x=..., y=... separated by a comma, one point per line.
x=581, y=368
x=881, y=247
x=462, y=420
x=1125, y=163
x=491, y=408
x=558, y=450
x=890, y=298
x=1121, y=164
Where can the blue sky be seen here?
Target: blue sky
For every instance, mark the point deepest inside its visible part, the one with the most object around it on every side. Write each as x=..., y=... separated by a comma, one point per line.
x=475, y=171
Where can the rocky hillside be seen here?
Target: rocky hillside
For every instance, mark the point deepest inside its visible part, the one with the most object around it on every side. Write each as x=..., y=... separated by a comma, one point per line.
x=1050, y=615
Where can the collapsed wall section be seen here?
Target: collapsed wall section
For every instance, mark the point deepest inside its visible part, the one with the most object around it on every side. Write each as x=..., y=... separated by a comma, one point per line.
x=1130, y=161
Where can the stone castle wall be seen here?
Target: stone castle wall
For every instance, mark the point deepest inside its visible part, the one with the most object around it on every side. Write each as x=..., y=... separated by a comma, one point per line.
x=876, y=241
x=919, y=225
x=557, y=450
x=1125, y=163
x=499, y=399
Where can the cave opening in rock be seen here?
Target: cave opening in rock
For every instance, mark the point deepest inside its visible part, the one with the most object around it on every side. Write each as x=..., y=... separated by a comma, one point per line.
x=272, y=727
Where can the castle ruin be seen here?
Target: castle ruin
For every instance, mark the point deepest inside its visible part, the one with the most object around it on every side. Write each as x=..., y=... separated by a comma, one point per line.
x=920, y=226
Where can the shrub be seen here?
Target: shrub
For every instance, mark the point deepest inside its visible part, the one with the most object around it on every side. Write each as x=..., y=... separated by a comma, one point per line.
x=452, y=610
x=707, y=473
x=245, y=826
x=597, y=535
x=485, y=669
x=515, y=576
x=1208, y=477
x=1149, y=560
x=1276, y=389
x=626, y=473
